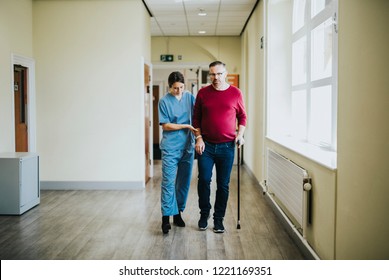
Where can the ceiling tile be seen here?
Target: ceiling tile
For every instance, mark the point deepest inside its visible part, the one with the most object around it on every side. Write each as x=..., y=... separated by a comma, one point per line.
x=180, y=17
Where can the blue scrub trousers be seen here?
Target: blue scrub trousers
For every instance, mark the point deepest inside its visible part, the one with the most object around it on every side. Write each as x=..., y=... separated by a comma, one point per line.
x=176, y=176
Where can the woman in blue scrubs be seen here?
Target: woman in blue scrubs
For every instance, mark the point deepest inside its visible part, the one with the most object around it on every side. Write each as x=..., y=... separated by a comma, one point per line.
x=175, y=111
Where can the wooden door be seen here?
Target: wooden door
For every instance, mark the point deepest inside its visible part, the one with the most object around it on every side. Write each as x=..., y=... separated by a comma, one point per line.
x=21, y=106
x=233, y=79
x=147, y=121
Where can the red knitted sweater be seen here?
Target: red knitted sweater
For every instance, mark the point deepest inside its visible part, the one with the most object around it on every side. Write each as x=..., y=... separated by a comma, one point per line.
x=218, y=112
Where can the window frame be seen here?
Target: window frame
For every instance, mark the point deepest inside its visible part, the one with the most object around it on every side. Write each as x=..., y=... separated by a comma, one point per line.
x=323, y=154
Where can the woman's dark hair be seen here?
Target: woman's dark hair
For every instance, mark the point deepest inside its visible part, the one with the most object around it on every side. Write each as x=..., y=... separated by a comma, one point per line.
x=175, y=77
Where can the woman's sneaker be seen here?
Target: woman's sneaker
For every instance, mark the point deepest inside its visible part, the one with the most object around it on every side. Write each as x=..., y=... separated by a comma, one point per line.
x=178, y=221
x=203, y=222
x=165, y=224
x=218, y=226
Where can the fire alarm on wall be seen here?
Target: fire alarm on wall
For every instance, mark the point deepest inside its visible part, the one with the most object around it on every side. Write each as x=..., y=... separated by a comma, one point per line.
x=166, y=57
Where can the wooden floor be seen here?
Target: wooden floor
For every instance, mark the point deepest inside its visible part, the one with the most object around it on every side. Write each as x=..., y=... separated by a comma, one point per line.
x=122, y=225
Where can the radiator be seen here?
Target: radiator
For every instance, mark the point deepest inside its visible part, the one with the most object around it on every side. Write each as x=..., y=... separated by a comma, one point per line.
x=290, y=186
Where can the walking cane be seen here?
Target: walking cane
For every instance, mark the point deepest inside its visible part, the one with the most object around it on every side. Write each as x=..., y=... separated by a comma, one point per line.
x=238, y=151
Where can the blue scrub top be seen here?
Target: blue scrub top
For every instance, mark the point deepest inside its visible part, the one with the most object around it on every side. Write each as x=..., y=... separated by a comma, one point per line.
x=172, y=110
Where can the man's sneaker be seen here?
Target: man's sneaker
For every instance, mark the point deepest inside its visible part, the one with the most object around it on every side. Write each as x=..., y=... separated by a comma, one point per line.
x=203, y=222
x=218, y=226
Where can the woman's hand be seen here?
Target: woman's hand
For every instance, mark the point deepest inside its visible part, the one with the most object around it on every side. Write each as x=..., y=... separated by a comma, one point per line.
x=192, y=128
x=175, y=126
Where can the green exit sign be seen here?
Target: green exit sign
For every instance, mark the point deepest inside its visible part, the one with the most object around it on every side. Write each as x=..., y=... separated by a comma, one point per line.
x=166, y=57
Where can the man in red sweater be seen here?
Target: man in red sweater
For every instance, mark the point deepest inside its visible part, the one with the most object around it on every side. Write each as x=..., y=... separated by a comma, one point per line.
x=219, y=108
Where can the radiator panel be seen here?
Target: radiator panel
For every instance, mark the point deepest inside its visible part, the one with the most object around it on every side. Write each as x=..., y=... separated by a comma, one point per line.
x=286, y=181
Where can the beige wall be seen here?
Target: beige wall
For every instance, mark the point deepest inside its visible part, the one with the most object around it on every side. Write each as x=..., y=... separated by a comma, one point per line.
x=252, y=81
x=362, y=224
x=349, y=204
x=15, y=38
x=198, y=50
x=90, y=91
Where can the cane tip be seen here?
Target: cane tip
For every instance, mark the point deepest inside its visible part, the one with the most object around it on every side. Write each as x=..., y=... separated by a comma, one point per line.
x=238, y=226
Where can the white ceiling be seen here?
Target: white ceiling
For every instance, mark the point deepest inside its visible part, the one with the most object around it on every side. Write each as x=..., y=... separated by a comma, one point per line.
x=180, y=17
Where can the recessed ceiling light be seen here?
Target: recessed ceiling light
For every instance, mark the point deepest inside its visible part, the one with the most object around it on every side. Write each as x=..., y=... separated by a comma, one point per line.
x=202, y=12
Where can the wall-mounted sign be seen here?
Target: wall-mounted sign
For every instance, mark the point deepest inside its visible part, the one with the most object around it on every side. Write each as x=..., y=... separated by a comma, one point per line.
x=166, y=57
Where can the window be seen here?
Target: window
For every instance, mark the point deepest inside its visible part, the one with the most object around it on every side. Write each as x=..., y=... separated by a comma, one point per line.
x=302, y=76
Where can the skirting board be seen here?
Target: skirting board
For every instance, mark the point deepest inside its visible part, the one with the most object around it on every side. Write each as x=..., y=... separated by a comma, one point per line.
x=85, y=185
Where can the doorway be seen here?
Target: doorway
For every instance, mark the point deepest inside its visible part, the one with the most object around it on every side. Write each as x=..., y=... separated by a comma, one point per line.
x=156, y=149
x=23, y=93
x=147, y=121
x=21, y=108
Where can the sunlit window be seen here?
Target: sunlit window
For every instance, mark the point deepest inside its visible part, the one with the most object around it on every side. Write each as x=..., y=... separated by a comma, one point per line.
x=302, y=72
x=299, y=14
x=321, y=51
x=320, y=132
x=318, y=5
x=299, y=61
x=299, y=115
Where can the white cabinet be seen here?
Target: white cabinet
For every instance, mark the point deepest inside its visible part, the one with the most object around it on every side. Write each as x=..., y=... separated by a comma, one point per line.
x=19, y=182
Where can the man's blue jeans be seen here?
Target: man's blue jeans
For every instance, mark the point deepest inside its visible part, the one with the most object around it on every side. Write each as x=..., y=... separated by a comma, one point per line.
x=222, y=157
x=176, y=176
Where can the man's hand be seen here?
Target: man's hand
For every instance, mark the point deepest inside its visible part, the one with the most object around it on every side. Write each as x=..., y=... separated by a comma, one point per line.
x=200, y=145
x=239, y=140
